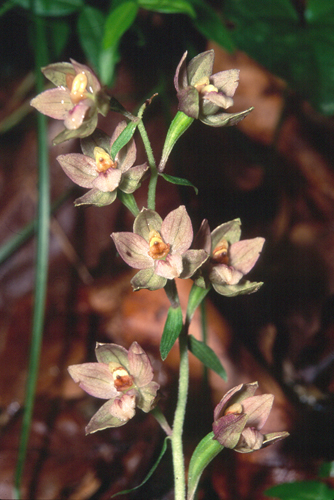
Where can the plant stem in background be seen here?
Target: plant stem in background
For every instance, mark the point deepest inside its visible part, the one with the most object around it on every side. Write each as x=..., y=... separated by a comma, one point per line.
x=41, y=257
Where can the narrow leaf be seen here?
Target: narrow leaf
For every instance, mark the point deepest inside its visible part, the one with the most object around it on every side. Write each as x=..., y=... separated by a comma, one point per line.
x=179, y=125
x=179, y=181
x=124, y=137
x=204, y=453
x=128, y=201
x=90, y=29
x=168, y=6
x=206, y=355
x=209, y=24
x=172, y=330
x=196, y=296
x=118, y=22
x=162, y=452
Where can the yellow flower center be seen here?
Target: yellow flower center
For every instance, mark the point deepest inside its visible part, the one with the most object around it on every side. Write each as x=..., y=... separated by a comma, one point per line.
x=158, y=248
x=204, y=86
x=78, y=86
x=220, y=253
x=235, y=409
x=103, y=160
x=122, y=380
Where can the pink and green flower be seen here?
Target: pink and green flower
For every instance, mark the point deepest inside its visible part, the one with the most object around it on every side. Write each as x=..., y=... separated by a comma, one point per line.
x=239, y=418
x=77, y=99
x=124, y=378
x=159, y=248
x=95, y=169
x=203, y=95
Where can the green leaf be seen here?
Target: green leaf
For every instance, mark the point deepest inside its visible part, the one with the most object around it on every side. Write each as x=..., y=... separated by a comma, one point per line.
x=206, y=355
x=108, y=58
x=162, y=452
x=196, y=296
x=319, y=11
x=168, y=6
x=90, y=29
x=124, y=137
x=327, y=469
x=172, y=330
x=129, y=201
x=209, y=24
x=118, y=22
x=206, y=450
x=301, y=490
x=181, y=122
x=302, y=53
x=179, y=181
x=51, y=7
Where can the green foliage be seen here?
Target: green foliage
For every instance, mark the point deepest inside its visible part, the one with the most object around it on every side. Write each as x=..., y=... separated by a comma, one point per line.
x=172, y=330
x=179, y=181
x=51, y=7
x=205, y=452
x=168, y=6
x=161, y=454
x=206, y=355
x=301, y=490
x=298, y=49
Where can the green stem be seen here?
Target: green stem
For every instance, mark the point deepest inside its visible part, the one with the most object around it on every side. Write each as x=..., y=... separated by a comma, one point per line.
x=177, y=446
x=161, y=419
x=151, y=161
x=42, y=257
x=179, y=416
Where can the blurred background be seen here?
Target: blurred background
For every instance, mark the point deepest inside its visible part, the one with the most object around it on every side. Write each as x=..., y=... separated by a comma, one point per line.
x=274, y=170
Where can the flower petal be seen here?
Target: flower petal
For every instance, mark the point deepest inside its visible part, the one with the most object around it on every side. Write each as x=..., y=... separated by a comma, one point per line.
x=57, y=72
x=218, y=99
x=112, y=353
x=55, y=103
x=245, y=253
x=131, y=179
x=76, y=115
x=250, y=440
x=200, y=66
x=96, y=197
x=147, y=278
x=95, y=379
x=191, y=261
x=108, y=181
x=170, y=268
x=226, y=81
x=84, y=130
x=105, y=418
x=147, y=221
x=229, y=231
x=140, y=365
x=242, y=288
x=235, y=395
x=225, y=119
x=181, y=77
x=228, y=428
x=189, y=102
x=221, y=274
x=98, y=139
x=177, y=230
x=258, y=409
x=147, y=396
x=80, y=169
x=133, y=249
x=202, y=239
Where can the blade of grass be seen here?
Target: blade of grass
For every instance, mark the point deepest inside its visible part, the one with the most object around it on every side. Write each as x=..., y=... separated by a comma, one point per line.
x=41, y=256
